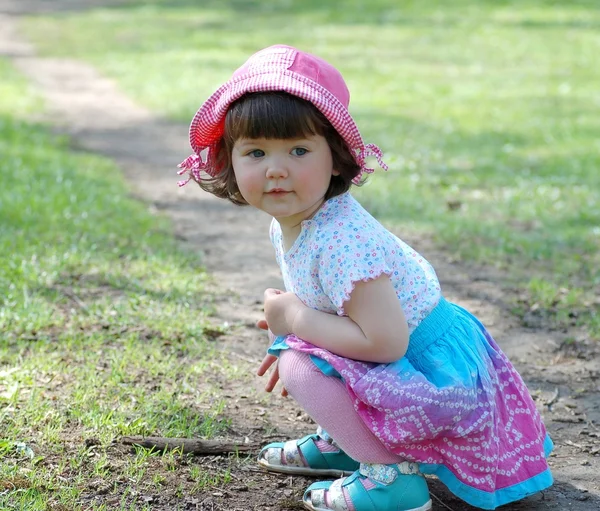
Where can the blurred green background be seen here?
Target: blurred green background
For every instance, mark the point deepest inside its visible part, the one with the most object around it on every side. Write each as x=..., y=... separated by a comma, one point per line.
x=487, y=111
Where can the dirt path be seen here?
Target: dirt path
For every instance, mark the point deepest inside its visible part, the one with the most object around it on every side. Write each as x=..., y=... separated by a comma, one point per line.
x=237, y=252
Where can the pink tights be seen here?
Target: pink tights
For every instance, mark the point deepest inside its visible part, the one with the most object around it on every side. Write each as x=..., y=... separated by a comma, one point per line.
x=326, y=400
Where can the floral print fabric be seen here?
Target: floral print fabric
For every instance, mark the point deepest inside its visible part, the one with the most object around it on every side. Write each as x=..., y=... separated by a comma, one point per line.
x=343, y=244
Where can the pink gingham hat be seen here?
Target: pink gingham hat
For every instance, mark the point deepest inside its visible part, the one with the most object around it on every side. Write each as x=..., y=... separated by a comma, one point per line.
x=276, y=68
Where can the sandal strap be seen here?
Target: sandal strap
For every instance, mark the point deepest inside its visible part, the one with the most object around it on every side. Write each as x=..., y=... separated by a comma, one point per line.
x=325, y=436
x=294, y=451
x=387, y=474
x=313, y=456
x=291, y=452
x=304, y=453
x=328, y=495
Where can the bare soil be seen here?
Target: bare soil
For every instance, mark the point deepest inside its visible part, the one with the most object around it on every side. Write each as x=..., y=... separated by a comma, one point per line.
x=562, y=376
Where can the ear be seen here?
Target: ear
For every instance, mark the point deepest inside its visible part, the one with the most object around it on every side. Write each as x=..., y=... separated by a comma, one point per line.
x=335, y=172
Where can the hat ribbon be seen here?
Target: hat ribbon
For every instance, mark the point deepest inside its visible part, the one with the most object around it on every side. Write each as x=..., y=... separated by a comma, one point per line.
x=192, y=165
x=369, y=150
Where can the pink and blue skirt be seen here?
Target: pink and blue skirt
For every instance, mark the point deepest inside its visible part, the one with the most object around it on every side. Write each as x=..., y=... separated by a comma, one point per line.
x=454, y=404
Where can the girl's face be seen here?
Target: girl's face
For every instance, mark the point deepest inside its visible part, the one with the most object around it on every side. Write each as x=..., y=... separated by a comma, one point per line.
x=286, y=178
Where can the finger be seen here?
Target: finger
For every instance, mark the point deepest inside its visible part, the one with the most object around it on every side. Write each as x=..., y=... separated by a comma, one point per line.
x=262, y=324
x=265, y=364
x=272, y=291
x=273, y=379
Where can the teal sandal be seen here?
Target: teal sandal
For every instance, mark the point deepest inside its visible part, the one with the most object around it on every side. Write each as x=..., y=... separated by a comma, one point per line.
x=303, y=457
x=373, y=487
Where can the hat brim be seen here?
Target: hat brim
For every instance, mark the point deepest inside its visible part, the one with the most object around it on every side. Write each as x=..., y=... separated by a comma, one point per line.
x=206, y=128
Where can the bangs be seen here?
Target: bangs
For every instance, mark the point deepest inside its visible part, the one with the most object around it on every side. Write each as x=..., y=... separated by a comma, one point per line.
x=276, y=115
x=273, y=115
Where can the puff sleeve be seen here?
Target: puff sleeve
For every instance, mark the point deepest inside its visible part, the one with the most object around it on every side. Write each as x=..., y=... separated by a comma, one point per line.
x=352, y=256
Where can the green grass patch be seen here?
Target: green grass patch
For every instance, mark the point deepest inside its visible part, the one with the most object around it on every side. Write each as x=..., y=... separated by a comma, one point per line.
x=487, y=111
x=102, y=321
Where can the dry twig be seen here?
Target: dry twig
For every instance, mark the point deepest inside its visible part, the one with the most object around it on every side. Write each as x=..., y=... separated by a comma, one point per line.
x=440, y=501
x=190, y=445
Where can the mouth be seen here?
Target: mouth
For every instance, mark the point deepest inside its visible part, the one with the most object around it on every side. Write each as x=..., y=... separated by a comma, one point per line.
x=277, y=191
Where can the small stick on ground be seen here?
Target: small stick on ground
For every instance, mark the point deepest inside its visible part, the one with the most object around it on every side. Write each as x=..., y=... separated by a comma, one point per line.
x=441, y=501
x=69, y=294
x=190, y=445
x=552, y=399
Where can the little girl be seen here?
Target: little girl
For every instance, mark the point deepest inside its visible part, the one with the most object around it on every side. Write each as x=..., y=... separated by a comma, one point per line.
x=402, y=382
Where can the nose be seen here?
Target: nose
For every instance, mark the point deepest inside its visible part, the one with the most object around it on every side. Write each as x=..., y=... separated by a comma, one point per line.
x=276, y=168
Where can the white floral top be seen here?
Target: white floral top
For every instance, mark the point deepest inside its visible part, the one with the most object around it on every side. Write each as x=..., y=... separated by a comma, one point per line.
x=343, y=244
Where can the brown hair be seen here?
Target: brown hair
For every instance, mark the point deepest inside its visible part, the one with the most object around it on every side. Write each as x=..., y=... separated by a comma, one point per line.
x=276, y=115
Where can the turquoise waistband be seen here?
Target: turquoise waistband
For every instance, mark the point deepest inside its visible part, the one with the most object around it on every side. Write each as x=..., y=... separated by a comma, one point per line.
x=434, y=326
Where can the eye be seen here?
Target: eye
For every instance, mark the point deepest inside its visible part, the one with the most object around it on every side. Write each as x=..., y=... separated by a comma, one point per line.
x=299, y=151
x=256, y=153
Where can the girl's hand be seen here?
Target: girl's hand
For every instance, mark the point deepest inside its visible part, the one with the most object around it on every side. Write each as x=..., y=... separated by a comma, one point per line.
x=267, y=362
x=263, y=325
x=281, y=309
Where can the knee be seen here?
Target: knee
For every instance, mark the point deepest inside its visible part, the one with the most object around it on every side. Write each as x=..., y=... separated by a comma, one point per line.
x=296, y=369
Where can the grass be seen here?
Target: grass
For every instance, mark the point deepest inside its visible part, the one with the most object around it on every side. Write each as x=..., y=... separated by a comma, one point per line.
x=487, y=111
x=102, y=321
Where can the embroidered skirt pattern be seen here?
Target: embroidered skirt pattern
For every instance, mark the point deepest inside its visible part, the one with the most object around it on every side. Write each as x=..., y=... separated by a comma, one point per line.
x=454, y=404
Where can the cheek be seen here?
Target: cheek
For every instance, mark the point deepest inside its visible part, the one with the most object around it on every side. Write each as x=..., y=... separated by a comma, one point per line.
x=313, y=186
x=316, y=180
x=249, y=184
